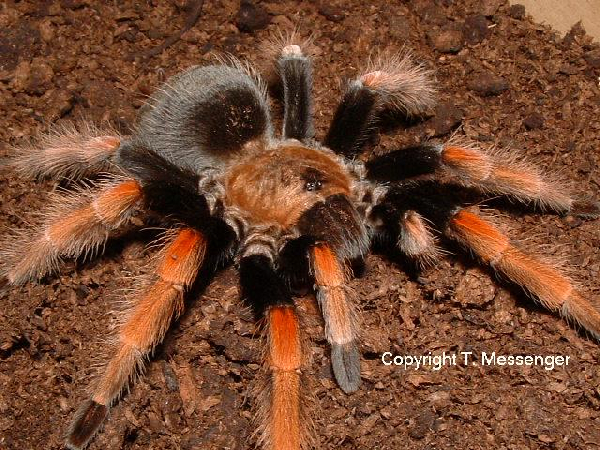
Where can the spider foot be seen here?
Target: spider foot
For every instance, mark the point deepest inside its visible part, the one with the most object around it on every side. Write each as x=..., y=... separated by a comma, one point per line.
x=3, y=284
x=345, y=360
x=587, y=209
x=88, y=420
x=288, y=44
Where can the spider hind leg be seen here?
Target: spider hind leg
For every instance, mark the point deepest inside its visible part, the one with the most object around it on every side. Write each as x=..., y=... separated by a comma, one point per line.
x=68, y=151
x=390, y=83
x=295, y=71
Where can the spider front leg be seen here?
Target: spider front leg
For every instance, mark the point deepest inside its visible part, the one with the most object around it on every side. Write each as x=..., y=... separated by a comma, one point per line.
x=68, y=151
x=145, y=326
x=75, y=223
x=302, y=261
x=341, y=325
x=281, y=414
x=416, y=239
x=393, y=215
x=339, y=235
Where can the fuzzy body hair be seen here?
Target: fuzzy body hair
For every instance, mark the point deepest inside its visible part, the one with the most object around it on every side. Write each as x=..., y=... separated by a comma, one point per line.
x=402, y=83
x=69, y=150
x=204, y=115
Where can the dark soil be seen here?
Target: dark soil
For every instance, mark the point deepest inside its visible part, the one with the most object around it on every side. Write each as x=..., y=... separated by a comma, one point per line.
x=502, y=78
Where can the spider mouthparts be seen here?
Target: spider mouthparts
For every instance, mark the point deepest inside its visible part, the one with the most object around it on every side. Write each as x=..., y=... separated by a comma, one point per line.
x=88, y=420
x=345, y=360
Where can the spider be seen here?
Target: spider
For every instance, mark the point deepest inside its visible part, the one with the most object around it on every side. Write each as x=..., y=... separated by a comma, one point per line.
x=288, y=211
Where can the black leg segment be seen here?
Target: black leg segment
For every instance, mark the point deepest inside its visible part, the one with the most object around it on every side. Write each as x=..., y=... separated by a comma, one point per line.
x=336, y=221
x=169, y=190
x=261, y=286
x=406, y=163
x=296, y=78
x=353, y=121
x=436, y=202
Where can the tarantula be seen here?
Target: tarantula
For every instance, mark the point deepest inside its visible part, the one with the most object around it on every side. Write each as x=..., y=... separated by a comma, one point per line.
x=288, y=211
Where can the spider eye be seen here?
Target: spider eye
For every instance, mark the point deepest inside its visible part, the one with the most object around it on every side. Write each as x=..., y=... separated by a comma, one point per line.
x=313, y=185
x=313, y=179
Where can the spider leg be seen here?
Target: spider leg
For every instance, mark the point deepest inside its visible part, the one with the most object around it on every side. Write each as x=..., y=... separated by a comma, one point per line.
x=74, y=224
x=169, y=190
x=494, y=171
x=390, y=82
x=338, y=234
x=294, y=68
x=554, y=289
x=143, y=329
x=68, y=151
x=353, y=121
x=406, y=163
x=341, y=324
x=282, y=421
x=416, y=239
x=440, y=204
x=409, y=212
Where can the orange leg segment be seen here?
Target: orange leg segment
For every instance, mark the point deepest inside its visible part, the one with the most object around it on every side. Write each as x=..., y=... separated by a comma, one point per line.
x=339, y=316
x=554, y=289
x=73, y=225
x=503, y=173
x=284, y=428
x=146, y=325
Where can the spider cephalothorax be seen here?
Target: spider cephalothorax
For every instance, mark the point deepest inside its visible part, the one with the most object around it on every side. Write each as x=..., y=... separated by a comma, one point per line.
x=288, y=211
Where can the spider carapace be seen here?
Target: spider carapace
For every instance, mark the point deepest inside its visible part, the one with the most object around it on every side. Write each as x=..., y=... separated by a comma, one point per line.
x=288, y=211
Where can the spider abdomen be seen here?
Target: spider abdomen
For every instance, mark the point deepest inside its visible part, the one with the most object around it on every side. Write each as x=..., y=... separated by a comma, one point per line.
x=204, y=115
